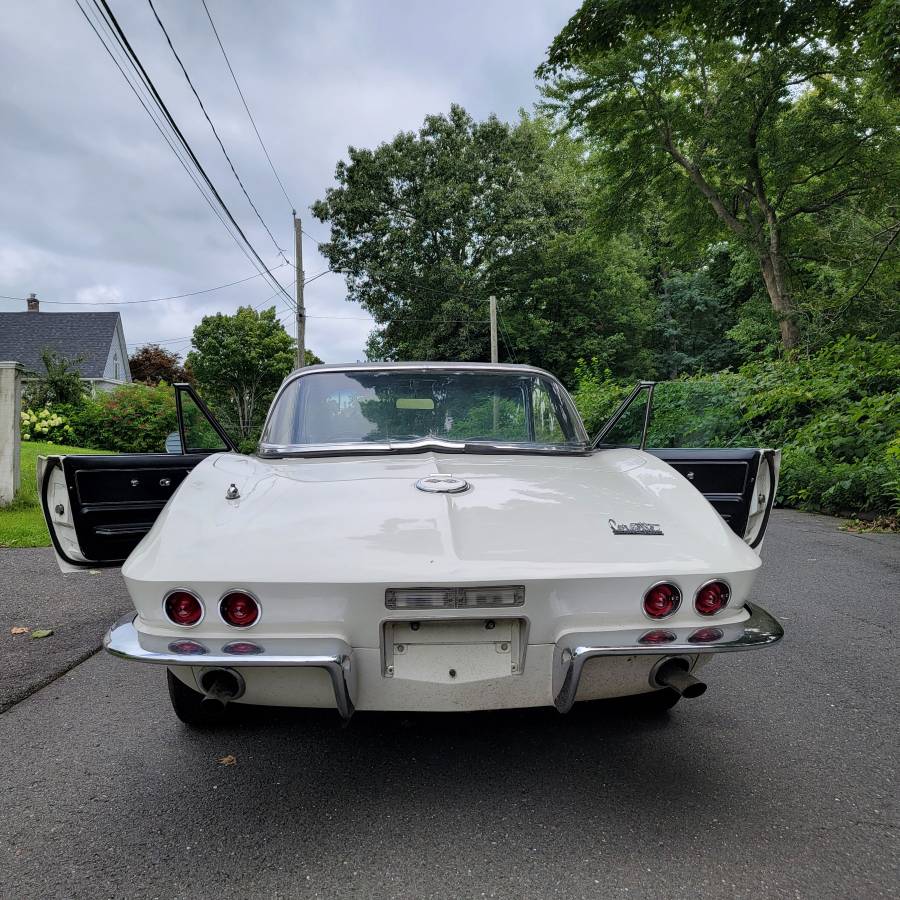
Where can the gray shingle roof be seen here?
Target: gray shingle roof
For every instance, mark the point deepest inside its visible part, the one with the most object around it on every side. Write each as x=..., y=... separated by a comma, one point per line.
x=71, y=334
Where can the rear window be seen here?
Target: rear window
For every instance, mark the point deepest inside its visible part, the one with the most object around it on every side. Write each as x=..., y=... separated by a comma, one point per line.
x=395, y=406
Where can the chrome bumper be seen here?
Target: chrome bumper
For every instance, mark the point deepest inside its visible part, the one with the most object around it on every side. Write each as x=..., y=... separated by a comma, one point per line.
x=574, y=650
x=331, y=654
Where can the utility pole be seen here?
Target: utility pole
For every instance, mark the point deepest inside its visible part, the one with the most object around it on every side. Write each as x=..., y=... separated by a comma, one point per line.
x=493, y=329
x=496, y=404
x=301, y=310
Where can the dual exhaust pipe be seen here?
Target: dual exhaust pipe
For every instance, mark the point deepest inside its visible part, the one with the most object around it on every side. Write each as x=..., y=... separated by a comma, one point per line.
x=673, y=673
x=220, y=687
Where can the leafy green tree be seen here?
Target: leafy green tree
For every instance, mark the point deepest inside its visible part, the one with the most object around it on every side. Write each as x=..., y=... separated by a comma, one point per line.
x=698, y=308
x=752, y=123
x=239, y=361
x=428, y=226
x=152, y=364
x=60, y=383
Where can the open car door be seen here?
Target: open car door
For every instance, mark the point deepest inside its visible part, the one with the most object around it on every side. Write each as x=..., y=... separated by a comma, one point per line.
x=740, y=483
x=98, y=507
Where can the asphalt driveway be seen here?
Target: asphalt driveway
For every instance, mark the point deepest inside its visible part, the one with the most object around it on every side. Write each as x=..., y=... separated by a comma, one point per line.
x=781, y=781
x=34, y=594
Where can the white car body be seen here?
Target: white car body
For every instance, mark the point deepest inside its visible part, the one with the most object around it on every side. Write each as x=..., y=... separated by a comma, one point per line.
x=321, y=542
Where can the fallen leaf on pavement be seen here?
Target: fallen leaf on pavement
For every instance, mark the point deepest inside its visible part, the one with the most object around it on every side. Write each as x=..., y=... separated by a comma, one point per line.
x=41, y=632
x=228, y=760
x=19, y=629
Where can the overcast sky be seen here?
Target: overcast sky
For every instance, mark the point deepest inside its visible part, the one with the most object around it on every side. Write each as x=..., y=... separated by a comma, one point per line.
x=94, y=206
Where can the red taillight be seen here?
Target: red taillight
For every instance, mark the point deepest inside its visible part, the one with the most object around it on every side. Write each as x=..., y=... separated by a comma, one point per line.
x=711, y=598
x=239, y=609
x=183, y=608
x=661, y=600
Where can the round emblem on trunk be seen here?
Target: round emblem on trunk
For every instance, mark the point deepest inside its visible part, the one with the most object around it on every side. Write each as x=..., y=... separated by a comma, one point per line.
x=442, y=484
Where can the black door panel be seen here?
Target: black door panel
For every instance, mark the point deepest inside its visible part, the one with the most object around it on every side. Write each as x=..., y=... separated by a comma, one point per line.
x=130, y=485
x=114, y=500
x=102, y=506
x=726, y=477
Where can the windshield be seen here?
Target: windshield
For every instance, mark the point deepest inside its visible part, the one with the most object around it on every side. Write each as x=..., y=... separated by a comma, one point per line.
x=371, y=406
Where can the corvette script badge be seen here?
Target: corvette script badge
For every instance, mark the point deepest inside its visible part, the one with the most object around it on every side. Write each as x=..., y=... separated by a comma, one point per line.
x=634, y=527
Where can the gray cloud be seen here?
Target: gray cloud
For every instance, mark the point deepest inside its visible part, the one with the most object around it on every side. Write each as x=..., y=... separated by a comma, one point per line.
x=93, y=204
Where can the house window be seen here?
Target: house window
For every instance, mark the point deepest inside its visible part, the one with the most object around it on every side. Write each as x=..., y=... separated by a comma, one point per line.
x=116, y=364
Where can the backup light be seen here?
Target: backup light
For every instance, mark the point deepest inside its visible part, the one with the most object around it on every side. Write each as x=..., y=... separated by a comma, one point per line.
x=455, y=598
x=493, y=596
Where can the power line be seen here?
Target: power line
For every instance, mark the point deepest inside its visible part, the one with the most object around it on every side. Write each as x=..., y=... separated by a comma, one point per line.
x=147, y=82
x=506, y=343
x=150, y=300
x=246, y=107
x=153, y=119
x=315, y=277
x=213, y=127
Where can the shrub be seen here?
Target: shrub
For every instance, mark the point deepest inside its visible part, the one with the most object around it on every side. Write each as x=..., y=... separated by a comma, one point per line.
x=834, y=414
x=134, y=418
x=60, y=383
x=691, y=411
x=47, y=425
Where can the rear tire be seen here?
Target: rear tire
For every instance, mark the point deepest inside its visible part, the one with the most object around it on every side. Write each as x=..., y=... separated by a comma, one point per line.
x=188, y=705
x=655, y=703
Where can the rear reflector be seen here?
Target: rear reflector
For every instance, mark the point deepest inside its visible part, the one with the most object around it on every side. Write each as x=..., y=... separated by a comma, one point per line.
x=242, y=648
x=706, y=635
x=659, y=636
x=187, y=648
x=454, y=598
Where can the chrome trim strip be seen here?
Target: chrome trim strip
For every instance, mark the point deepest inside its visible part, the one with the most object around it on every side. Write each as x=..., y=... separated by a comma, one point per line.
x=332, y=654
x=367, y=448
x=572, y=650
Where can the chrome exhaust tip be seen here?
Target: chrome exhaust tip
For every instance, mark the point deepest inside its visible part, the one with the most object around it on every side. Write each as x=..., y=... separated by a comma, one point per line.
x=220, y=687
x=673, y=673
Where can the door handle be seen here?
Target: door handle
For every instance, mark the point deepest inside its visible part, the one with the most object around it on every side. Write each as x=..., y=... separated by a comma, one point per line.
x=165, y=482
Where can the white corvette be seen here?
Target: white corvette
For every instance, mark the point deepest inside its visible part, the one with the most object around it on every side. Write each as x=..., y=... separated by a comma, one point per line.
x=422, y=536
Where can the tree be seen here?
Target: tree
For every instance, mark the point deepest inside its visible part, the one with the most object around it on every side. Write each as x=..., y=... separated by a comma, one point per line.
x=428, y=226
x=239, y=362
x=61, y=382
x=751, y=120
x=152, y=364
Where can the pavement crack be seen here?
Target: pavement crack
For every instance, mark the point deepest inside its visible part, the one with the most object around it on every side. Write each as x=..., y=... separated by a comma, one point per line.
x=39, y=685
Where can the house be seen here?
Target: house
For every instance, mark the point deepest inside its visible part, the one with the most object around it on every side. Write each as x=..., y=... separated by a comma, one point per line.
x=96, y=337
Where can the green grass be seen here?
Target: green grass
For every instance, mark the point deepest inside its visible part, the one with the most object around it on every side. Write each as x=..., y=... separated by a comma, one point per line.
x=22, y=522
